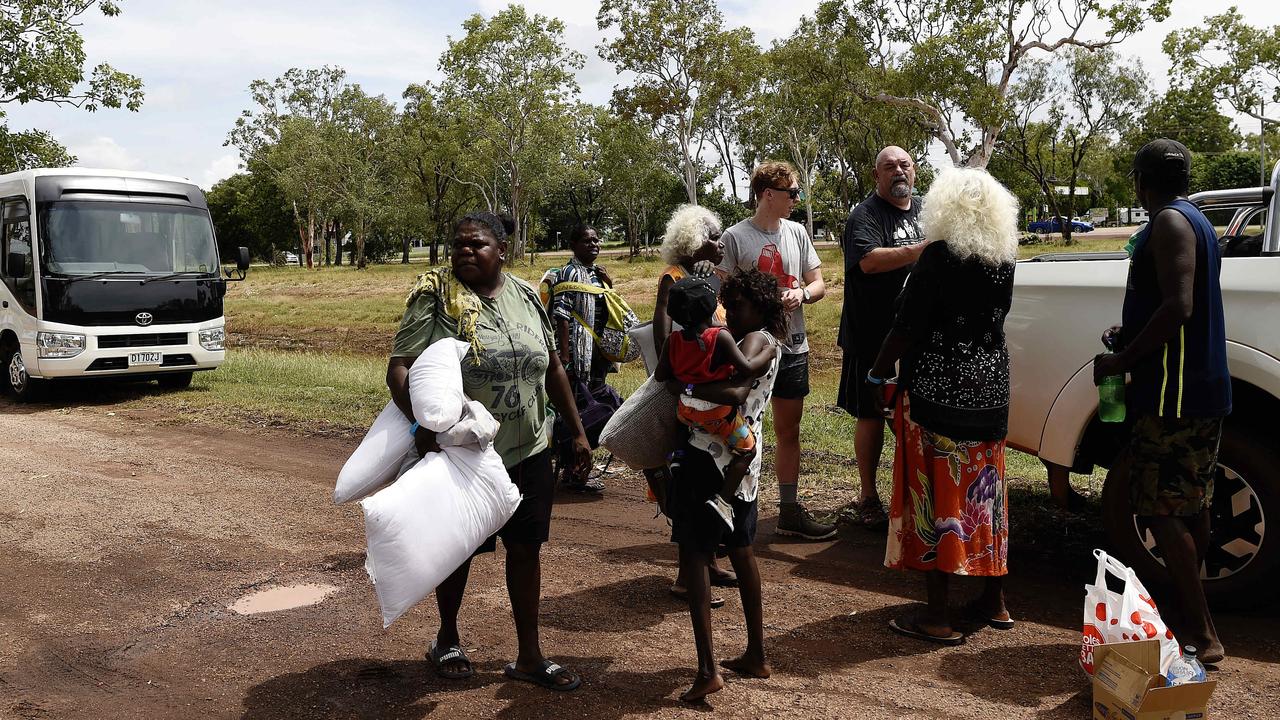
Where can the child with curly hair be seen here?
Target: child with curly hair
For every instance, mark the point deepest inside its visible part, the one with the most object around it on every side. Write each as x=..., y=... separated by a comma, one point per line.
x=701, y=352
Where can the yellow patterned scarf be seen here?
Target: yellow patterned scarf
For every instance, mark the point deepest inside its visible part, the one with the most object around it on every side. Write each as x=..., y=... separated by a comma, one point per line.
x=457, y=301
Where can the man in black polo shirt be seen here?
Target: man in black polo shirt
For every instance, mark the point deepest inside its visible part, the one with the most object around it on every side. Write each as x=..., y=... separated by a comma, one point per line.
x=1173, y=343
x=881, y=241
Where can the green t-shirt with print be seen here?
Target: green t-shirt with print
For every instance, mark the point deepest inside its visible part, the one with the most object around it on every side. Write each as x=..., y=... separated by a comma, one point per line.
x=510, y=376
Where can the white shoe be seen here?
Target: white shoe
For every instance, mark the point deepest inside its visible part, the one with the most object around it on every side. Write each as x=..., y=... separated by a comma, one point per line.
x=723, y=509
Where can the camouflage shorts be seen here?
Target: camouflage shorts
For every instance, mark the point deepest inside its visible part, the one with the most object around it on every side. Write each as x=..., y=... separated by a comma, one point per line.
x=1172, y=462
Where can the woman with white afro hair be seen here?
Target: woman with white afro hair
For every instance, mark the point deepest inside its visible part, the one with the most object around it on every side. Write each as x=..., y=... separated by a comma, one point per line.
x=949, y=513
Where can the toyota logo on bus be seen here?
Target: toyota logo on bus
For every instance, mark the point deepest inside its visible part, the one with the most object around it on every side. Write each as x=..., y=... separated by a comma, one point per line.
x=143, y=319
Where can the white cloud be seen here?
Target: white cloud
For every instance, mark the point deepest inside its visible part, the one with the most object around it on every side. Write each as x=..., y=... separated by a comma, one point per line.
x=220, y=169
x=104, y=152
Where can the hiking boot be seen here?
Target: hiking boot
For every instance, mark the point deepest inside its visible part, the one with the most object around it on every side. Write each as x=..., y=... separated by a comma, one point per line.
x=795, y=521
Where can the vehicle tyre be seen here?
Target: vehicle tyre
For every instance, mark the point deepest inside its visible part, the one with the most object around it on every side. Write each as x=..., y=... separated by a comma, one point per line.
x=17, y=382
x=175, y=381
x=1243, y=556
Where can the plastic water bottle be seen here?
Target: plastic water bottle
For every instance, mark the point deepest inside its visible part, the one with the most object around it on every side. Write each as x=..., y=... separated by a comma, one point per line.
x=1111, y=391
x=1185, y=669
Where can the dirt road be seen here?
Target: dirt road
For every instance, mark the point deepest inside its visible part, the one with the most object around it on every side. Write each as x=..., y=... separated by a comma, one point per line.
x=125, y=538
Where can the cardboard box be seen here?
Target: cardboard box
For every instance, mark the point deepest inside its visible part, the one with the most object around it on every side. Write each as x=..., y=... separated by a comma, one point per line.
x=1127, y=685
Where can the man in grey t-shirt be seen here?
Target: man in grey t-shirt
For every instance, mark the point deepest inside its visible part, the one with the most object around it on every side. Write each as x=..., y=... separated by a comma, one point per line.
x=769, y=242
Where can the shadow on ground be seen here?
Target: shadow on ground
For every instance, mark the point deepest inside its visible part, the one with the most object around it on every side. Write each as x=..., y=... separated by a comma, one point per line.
x=404, y=690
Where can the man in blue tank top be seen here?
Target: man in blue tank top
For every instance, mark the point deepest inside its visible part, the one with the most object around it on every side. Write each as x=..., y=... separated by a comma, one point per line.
x=1173, y=343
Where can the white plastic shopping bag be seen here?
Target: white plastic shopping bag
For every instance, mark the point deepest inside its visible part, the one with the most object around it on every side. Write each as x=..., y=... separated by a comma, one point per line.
x=1127, y=616
x=422, y=527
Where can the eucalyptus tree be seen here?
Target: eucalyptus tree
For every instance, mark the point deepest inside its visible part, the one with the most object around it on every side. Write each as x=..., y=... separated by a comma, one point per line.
x=284, y=135
x=689, y=71
x=433, y=158
x=1063, y=110
x=42, y=59
x=514, y=78
x=953, y=63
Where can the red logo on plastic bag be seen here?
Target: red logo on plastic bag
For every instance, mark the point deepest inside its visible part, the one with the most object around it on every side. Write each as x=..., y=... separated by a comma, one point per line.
x=1092, y=639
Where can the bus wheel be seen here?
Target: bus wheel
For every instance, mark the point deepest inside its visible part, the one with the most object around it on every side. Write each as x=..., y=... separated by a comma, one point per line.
x=175, y=381
x=17, y=381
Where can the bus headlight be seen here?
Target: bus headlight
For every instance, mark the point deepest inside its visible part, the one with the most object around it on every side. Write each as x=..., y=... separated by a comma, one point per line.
x=213, y=338
x=59, y=345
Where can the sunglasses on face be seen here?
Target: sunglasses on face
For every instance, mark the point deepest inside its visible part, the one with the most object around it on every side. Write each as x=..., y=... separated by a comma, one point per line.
x=793, y=193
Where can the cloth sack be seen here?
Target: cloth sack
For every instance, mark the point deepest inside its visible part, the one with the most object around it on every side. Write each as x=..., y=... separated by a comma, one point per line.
x=645, y=430
x=476, y=427
x=1126, y=616
x=375, y=462
x=435, y=386
x=427, y=523
x=613, y=341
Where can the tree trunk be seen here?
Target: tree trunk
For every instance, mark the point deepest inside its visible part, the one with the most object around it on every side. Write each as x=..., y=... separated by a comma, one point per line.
x=360, y=236
x=404, y=257
x=309, y=246
x=302, y=229
x=328, y=233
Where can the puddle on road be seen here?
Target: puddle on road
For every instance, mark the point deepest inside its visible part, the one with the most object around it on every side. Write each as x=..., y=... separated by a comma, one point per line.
x=282, y=598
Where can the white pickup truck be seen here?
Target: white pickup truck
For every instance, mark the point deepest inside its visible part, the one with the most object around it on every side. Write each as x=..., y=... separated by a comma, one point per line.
x=1062, y=303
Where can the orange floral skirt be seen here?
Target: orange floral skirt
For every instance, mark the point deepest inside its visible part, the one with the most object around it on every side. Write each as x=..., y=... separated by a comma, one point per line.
x=950, y=504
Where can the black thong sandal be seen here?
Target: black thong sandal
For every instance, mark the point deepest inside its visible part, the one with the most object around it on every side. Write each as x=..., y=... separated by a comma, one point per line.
x=974, y=615
x=909, y=628
x=438, y=657
x=544, y=676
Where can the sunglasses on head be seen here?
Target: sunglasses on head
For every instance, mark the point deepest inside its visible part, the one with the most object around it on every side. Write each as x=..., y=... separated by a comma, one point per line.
x=793, y=193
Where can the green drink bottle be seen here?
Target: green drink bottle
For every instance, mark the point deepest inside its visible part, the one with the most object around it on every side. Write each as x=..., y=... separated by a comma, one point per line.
x=1111, y=394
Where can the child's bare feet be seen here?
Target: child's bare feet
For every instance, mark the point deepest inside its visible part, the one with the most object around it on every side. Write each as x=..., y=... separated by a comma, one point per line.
x=751, y=666
x=703, y=686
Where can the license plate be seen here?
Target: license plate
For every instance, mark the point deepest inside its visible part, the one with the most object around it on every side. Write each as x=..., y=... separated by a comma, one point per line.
x=144, y=358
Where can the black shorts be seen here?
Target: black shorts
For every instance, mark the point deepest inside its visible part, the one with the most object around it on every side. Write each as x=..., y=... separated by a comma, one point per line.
x=531, y=523
x=792, y=382
x=855, y=395
x=693, y=480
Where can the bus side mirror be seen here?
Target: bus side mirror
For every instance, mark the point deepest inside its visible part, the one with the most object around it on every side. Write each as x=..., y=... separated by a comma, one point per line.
x=17, y=265
x=242, y=266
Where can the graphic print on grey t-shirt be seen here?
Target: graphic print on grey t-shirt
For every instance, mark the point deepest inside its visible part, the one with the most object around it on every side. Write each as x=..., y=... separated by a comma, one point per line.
x=786, y=254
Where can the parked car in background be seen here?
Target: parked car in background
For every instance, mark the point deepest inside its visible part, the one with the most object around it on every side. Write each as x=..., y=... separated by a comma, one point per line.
x=1052, y=225
x=290, y=258
x=1062, y=302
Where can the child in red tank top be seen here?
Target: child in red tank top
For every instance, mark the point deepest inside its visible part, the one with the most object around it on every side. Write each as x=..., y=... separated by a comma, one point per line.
x=701, y=353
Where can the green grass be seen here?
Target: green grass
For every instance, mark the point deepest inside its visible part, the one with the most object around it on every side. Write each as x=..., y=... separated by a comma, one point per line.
x=309, y=351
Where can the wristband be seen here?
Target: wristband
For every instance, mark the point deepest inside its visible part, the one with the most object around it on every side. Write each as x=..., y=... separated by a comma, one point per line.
x=874, y=380
x=413, y=429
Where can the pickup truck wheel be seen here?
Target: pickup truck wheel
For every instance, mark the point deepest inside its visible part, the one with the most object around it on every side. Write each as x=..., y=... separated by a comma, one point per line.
x=1243, y=555
x=17, y=382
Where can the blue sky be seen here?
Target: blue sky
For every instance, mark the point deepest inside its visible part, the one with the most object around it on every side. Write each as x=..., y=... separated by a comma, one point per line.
x=198, y=58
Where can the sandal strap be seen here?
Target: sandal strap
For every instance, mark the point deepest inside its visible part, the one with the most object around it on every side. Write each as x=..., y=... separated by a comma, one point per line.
x=450, y=654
